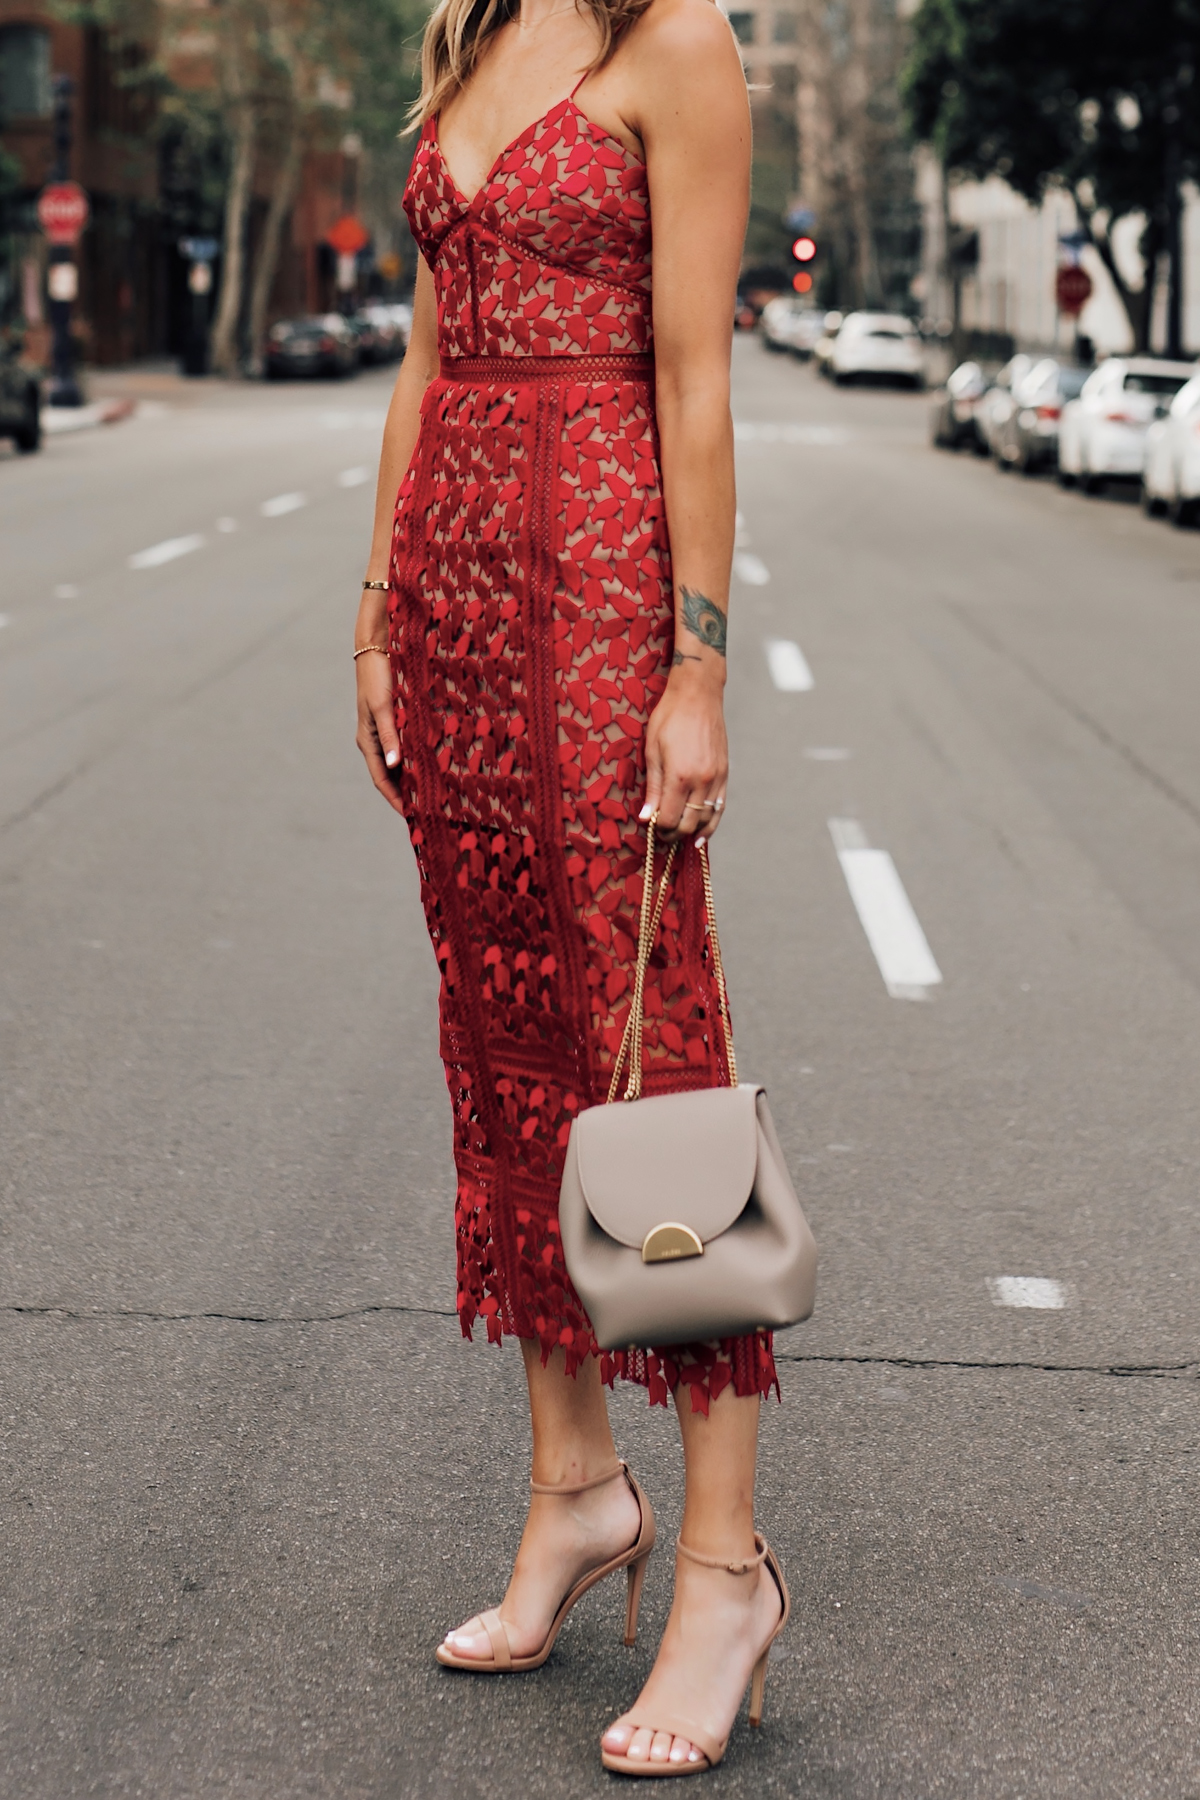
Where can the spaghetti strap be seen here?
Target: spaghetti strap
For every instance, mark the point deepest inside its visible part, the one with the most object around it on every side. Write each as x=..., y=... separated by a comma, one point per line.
x=579, y=84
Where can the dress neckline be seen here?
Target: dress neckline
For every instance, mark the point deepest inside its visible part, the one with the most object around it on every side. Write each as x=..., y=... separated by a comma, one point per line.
x=515, y=143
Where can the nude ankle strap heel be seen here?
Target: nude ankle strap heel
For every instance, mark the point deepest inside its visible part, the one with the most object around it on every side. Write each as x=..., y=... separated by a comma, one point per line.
x=502, y=1661
x=712, y=1750
x=749, y=1566
x=579, y=1487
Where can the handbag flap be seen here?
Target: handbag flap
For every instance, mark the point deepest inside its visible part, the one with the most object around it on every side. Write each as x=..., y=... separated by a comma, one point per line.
x=684, y=1158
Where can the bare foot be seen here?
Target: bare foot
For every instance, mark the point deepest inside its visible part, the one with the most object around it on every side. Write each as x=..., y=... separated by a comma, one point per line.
x=715, y=1635
x=565, y=1535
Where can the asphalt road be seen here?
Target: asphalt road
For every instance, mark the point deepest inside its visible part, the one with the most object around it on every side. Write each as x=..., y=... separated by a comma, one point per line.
x=250, y=1472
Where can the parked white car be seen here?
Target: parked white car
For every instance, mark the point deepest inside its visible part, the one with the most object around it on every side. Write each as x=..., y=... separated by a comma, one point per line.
x=1171, y=465
x=883, y=345
x=1103, y=433
x=789, y=323
x=831, y=324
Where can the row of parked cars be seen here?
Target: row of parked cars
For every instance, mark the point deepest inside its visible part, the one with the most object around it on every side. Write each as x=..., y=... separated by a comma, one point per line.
x=846, y=347
x=1132, y=419
x=335, y=345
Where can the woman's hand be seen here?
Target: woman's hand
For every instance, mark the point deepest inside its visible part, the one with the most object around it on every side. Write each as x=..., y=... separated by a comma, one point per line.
x=687, y=753
x=376, y=737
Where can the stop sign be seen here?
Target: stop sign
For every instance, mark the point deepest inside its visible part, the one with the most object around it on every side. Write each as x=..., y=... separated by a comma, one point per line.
x=1072, y=289
x=63, y=211
x=348, y=236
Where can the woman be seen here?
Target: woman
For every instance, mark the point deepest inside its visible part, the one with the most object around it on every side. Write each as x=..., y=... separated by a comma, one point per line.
x=556, y=675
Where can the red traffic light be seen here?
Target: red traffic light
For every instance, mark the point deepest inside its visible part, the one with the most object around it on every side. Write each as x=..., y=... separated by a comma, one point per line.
x=802, y=281
x=804, y=249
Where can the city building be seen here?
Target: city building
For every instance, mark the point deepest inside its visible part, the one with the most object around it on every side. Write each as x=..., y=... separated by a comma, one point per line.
x=1008, y=254
x=112, y=156
x=154, y=183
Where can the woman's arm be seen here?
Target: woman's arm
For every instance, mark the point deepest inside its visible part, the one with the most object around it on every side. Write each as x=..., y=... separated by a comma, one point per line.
x=376, y=724
x=693, y=116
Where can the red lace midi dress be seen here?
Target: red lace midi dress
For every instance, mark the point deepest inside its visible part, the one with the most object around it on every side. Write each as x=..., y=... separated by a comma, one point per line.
x=531, y=634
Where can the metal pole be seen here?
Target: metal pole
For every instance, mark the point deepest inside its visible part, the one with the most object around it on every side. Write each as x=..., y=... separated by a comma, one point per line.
x=64, y=389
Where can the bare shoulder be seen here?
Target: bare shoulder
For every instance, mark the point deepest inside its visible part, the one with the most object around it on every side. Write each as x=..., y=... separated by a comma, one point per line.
x=683, y=50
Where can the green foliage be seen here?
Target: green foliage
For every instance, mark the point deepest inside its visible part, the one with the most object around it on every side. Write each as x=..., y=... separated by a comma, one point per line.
x=1069, y=91
x=1098, y=96
x=384, y=40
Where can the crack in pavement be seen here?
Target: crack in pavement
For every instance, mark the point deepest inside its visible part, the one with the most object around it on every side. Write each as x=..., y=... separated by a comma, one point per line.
x=1152, y=1371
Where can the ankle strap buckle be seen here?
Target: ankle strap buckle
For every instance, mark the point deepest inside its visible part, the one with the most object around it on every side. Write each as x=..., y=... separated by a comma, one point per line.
x=745, y=1567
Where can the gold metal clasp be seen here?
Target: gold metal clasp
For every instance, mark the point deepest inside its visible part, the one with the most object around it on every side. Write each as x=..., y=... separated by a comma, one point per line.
x=669, y=1242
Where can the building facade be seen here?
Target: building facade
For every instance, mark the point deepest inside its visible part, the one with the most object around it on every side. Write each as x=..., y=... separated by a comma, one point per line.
x=829, y=143
x=112, y=155
x=1012, y=255
x=154, y=182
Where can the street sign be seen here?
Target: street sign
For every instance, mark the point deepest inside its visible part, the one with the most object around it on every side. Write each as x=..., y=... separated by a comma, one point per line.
x=62, y=281
x=1072, y=290
x=63, y=211
x=348, y=236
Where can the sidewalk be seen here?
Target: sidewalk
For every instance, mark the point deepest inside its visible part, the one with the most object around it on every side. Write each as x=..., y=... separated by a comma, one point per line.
x=57, y=419
x=124, y=392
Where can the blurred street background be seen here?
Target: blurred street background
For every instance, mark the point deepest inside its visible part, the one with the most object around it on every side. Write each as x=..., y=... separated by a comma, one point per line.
x=250, y=1471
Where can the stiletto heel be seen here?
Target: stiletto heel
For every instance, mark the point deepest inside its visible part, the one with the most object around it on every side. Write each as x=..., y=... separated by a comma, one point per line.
x=502, y=1661
x=637, y=1575
x=712, y=1749
x=758, y=1682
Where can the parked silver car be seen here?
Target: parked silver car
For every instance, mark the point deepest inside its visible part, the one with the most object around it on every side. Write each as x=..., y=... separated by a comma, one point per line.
x=1027, y=439
x=953, y=417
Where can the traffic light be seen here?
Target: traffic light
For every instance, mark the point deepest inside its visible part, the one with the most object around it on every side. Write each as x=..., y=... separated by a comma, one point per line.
x=804, y=249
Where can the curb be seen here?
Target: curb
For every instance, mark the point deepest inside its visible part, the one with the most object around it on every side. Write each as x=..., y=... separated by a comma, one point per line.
x=57, y=419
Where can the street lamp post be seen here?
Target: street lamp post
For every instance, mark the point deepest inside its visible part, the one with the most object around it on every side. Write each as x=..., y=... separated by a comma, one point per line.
x=62, y=277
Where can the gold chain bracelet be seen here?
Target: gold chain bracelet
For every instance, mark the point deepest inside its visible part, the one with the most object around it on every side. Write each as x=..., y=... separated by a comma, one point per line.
x=382, y=649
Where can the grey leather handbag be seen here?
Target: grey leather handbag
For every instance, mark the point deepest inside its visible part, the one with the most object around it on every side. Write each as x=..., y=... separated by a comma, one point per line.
x=679, y=1220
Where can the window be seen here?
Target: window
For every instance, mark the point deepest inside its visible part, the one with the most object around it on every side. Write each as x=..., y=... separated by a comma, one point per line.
x=24, y=73
x=786, y=27
x=743, y=26
x=1138, y=382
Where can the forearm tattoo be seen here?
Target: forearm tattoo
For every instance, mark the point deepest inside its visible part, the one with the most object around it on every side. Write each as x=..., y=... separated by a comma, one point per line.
x=681, y=656
x=704, y=619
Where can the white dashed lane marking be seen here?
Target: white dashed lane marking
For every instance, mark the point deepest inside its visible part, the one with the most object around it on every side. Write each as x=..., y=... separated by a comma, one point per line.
x=166, y=552
x=353, y=477
x=66, y=590
x=1027, y=1290
x=282, y=503
x=826, y=753
x=750, y=568
x=227, y=524
x=789, y=669
x=885, y=913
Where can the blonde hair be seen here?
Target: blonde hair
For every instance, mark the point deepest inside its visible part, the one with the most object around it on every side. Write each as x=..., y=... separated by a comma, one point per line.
x=458, y=30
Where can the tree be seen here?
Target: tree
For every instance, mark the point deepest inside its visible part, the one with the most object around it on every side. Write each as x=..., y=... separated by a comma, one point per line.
x=288, y=76
x=855, y=161
x=1095, y=96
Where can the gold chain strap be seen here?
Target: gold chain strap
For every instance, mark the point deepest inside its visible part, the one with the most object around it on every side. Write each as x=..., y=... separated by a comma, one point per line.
x=648, y=923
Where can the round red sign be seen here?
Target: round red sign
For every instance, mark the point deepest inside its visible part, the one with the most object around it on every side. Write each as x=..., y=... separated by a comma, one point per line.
x=1072, y=289
x=348, y=236
x=63, y=211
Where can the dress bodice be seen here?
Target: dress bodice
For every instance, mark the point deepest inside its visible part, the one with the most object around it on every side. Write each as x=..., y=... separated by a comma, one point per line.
x=551, y=257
